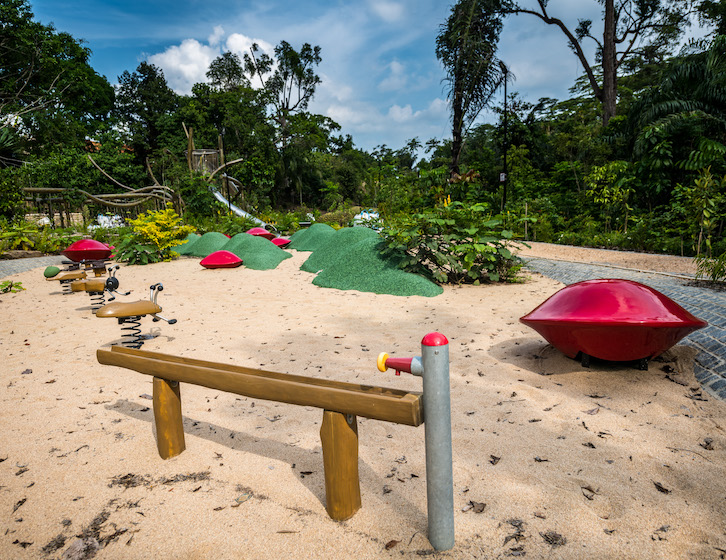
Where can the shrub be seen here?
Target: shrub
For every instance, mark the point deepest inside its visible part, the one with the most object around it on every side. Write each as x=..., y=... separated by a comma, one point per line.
x=12, y=200
x=712, y=268
x=155, y=233
x=456, y=243
x=20, y=236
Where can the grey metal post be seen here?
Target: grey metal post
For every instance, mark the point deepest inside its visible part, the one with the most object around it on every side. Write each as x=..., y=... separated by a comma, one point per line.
x=437, y=424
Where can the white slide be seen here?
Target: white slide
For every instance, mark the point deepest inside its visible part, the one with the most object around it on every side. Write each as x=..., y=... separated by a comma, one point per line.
x=236, y=209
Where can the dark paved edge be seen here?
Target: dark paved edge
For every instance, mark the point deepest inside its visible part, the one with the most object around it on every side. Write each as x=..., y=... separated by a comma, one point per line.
x=706, y=304
x=8, y=267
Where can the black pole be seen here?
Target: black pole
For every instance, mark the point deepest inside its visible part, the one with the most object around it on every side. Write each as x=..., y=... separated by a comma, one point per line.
x=504, y=182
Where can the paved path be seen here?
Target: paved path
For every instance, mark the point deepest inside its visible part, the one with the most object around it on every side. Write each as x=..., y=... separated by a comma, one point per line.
x=710, y=305
x=706, y=304
x=15, y=266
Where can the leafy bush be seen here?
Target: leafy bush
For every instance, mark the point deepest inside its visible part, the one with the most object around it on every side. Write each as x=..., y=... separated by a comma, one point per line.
x=343, y=217
x=50, y=240
x=456, y=243
x=154, y=235
x=12, y=201
x=712, y=268
x=19, y=236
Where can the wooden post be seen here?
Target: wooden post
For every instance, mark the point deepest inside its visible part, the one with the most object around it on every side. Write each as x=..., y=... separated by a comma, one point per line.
x=339, y=436
x=168, y=417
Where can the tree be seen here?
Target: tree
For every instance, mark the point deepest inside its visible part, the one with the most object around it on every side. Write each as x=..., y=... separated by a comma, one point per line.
x=144, y=103
x=46, y=82
x=466, y=46
x=631, y=28
x=226, y=72
x=679, y=124
x=713, y=12
x=288, y=83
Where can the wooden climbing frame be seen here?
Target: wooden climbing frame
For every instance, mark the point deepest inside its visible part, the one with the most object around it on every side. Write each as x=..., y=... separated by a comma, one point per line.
x=341, y=403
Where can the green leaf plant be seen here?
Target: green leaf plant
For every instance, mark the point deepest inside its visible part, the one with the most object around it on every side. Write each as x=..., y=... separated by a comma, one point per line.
x=454, y=243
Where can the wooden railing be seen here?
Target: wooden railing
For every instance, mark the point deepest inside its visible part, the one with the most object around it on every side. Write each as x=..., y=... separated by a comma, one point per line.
x=341, y=403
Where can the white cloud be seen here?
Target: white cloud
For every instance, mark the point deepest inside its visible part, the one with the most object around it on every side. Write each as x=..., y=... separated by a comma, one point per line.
x=240, y=44
x=186, y=64
x=397, y=78
x=331, y=88
x=390, y=12
x=216, y=35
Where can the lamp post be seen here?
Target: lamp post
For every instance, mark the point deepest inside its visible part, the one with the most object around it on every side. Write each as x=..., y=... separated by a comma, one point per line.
x=503, y=176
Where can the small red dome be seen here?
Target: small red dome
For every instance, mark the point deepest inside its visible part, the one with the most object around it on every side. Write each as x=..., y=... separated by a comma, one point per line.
x=221, y=259
x=281, y=241
x=261, y=232
x=87, y=250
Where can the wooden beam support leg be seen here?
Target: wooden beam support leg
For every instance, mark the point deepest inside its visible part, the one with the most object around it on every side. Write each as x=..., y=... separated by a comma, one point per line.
x=339, y=436
x=168, y=417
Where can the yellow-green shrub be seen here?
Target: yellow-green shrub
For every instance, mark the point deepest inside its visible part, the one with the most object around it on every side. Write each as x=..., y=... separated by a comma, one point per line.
x=155, y=233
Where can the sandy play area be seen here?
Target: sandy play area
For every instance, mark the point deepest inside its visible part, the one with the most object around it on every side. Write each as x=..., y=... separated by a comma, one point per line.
x=550, y=460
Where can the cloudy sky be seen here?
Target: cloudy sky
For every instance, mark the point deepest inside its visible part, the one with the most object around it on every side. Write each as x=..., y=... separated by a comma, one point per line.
x=381, y=80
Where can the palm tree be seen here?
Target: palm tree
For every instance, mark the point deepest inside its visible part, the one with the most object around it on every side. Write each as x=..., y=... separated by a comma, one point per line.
x=466, y=46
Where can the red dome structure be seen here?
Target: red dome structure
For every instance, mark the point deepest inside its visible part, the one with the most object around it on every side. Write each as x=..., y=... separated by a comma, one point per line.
x=281, y=241
x=261, y=232
x=87, y=250
x=221, y=259
x=611, y=319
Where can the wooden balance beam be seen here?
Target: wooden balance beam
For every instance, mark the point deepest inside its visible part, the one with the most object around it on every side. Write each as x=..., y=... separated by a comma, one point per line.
x=341, y=403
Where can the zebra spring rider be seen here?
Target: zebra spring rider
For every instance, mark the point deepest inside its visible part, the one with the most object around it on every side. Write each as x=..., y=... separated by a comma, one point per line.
x=96, y=288
x=129, y=316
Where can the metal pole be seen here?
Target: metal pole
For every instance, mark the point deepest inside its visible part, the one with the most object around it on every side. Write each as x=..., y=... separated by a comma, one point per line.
x=437, y=424
x=504, y=194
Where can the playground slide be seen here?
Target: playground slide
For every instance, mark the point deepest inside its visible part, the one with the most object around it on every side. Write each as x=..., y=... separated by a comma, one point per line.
x=236, y=209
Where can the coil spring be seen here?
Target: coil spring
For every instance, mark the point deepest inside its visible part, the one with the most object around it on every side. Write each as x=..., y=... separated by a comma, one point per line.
x=132, y=337
x=97, y=300
x=66, y=287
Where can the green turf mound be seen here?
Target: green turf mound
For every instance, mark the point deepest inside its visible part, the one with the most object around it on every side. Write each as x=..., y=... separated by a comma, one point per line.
x=206, y=244
x=186, y=247
x=361, y=267
x=257, y=252
x=311, y=238
x=330, y=246
x=51, y=271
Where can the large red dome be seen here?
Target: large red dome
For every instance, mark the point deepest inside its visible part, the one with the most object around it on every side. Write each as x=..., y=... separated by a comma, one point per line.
x=87, y=250
x=612, y=319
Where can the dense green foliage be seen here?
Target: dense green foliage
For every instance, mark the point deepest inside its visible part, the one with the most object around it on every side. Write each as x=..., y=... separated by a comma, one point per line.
x=644, y=174
x=453, y=243
x=155, y=234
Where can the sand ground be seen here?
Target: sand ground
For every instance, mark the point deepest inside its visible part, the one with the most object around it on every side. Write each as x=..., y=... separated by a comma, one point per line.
x=550, y=460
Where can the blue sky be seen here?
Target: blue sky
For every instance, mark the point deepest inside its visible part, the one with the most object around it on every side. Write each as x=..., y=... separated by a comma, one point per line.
x=381, y=80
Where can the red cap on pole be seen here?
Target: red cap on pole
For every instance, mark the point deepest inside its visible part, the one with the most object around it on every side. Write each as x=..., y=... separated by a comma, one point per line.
x=434, y=339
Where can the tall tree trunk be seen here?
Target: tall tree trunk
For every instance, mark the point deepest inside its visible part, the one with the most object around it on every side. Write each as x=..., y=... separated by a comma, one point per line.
x=609, y=65
x=458, y=120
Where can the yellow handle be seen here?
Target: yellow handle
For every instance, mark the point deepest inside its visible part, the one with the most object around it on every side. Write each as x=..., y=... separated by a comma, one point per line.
x=381, y=362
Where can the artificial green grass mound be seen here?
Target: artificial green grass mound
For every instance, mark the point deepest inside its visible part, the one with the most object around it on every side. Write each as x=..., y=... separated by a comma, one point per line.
x=206, y=244
x=257, y=252
x=51, y=271
x=311, y=238
x=361, y=267
x=186, y=247
x=330, y=246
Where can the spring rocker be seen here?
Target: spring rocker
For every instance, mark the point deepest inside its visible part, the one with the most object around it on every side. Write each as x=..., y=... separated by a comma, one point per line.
x=129, y=316
x=341, y=403
x=96, y=288
x=85, y=255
